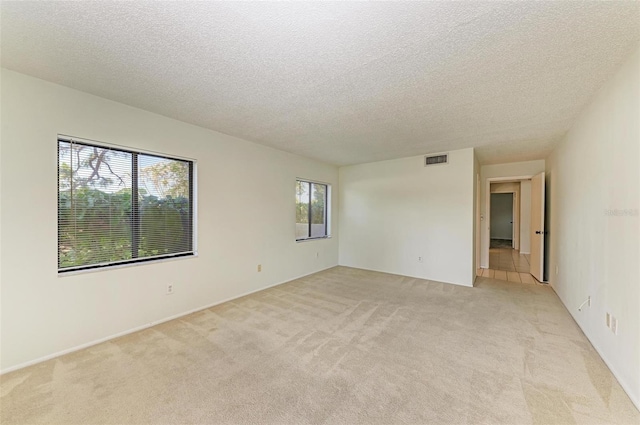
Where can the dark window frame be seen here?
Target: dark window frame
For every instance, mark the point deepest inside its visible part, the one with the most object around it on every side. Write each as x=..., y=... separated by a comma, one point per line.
x=327, y=188
x=135, y=213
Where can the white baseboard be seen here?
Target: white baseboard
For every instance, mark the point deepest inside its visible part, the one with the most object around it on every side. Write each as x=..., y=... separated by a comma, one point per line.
x=411, y=276
x=146, y=326
x=635, y=400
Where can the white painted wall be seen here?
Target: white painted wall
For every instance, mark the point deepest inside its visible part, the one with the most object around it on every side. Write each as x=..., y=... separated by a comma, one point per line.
x=246, y=216
x=502, y=216
x=509, y=187
x=512, y=169
x=393, y=212
x=525, y=217
x=594, y=184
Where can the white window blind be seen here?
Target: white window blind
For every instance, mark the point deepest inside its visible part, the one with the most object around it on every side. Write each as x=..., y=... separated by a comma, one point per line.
x=119, y=206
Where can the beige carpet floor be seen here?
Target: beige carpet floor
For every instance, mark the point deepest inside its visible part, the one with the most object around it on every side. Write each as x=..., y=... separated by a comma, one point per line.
x=343, y=346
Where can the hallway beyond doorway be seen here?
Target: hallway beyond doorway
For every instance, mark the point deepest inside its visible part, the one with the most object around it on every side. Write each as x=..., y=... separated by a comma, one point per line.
x=508, y=259
x=501, y=243
x=508, y=276
x=508, y=264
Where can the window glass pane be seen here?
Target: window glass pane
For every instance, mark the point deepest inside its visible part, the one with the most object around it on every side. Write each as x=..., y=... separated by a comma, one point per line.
x=164, y=206
x=94, y=205
x=302, y=209
x=318, y=212
x=117, y=206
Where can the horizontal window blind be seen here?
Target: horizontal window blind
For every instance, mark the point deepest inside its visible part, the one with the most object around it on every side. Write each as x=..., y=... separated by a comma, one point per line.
x=117, y=206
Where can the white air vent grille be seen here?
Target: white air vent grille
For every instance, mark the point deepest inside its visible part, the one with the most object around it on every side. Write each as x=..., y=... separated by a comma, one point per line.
x=436, y=159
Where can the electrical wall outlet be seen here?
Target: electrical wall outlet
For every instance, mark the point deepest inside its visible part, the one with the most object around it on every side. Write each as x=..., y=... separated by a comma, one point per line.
x=612, y=323
x=170, y=289
x=259, y=267
x=420, y=259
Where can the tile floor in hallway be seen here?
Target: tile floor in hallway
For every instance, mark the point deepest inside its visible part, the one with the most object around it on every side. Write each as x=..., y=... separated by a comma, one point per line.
x=508, y=264
x=508, y=259
x=508, y=276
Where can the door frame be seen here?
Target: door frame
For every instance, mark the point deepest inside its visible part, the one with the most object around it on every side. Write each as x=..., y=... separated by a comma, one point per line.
x=478, y=230
x=486, y=220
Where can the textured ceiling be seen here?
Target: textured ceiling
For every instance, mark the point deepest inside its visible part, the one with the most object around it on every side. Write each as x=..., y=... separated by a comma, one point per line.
x=346, y=82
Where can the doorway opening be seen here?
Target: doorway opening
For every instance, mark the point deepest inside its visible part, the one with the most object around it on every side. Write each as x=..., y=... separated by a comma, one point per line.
x=502, y=227
x=522, y=261
x=505, y=227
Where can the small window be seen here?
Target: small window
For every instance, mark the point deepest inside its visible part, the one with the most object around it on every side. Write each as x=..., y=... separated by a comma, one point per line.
x=119, y=206
x=311, y=210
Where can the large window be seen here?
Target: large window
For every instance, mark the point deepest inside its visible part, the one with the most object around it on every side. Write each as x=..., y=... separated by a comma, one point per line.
x=311, y=210
x=120, y=206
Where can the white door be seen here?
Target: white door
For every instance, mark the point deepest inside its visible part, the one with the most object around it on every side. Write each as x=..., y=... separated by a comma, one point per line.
x=537, y=226
x=515, y=221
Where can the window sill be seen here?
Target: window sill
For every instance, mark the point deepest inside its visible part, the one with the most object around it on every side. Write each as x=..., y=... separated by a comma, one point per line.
x=313, y=239
x=125, y=265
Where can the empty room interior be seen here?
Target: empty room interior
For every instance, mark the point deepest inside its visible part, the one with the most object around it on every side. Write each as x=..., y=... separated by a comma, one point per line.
x=319, y=212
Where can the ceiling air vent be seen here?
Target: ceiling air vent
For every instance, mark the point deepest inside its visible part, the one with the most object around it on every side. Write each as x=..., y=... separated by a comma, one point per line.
x=436, y=159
